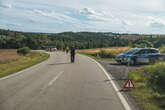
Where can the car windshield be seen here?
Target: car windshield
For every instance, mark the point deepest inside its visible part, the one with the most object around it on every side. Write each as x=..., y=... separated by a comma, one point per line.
x=131, y=51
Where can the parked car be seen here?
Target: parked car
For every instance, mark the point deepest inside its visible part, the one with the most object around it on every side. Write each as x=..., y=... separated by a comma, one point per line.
x=51, y=48
x=139, y=55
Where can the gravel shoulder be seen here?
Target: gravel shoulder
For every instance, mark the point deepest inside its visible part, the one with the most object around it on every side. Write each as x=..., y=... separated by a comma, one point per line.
x=120, y=75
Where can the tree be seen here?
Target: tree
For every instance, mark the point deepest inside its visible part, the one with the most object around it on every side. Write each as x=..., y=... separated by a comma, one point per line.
x=23, y=51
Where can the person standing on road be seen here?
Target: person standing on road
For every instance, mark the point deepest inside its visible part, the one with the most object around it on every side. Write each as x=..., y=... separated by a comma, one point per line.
x=72, y=54
x=67, y=50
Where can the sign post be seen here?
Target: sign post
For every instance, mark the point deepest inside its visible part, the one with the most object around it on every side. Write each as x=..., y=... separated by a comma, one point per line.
x=40, y=55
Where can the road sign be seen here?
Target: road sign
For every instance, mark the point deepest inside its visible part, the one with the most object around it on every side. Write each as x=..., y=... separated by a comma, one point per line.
x=129, y=84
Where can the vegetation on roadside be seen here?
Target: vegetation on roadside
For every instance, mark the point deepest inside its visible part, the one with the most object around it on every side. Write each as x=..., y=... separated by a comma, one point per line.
x=103, y=53
x=8, y=55
x=142, y=43
x=162, y=49
x=22, y=62
x=150, y=90
x=23, y=51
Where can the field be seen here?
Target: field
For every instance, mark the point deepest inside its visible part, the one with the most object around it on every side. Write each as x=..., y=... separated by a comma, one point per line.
x=103, y=53
x=11, y=62
x=8, y=55
x=120, y=49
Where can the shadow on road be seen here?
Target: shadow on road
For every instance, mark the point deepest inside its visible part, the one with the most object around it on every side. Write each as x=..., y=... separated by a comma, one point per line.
x=116, y=79
x=120, y=79
x=60, y=63
x=118, y=64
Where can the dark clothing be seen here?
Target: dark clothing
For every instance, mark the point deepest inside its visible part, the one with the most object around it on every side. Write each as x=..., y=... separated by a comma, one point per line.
x=72, y=58
x=67, y=51
x=72, y=54
x=72, y=51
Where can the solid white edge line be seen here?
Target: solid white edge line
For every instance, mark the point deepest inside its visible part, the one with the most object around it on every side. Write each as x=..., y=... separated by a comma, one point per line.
x=27, y=69
x=121, y=97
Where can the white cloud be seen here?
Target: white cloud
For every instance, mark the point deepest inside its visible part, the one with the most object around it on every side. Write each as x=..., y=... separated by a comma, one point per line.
x=138, y=16
x=5, y=4
x=58, y=16
x=127, y=23
x=157, y=19
x=155, y=22
x=87, y=11
x=13, y=25
x=94, y=15
x=157, y=25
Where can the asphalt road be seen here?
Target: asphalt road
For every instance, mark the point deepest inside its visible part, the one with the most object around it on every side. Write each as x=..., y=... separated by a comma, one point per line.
x=56, y=84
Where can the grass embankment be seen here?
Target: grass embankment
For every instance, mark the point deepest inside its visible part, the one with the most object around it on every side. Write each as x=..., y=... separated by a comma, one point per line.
x=148, y=81
x=15, y=63
x=103, y=53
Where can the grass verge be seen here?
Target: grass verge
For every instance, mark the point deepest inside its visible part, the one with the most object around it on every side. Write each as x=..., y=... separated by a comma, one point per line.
x=103, y=53
x=29, y=60
x=145, y=97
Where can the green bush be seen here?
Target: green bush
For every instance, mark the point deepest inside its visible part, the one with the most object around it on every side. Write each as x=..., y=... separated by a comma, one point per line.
x=103, y=54
x=23, y=51
x=156, y=77
x=142, y=43
x=162, y=49
x=149, y=92
x=137, y=75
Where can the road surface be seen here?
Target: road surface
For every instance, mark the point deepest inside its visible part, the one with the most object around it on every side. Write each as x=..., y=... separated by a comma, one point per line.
x=56, y=84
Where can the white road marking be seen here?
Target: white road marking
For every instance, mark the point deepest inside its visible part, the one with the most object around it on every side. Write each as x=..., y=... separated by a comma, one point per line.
x=51, y=82
x=55, y=78
x=121, y=97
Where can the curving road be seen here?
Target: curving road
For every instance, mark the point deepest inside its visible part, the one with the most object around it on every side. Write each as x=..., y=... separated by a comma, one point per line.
x=56, y=84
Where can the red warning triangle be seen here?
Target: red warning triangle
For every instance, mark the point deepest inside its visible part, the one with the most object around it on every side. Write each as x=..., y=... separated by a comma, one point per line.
x=129, y=84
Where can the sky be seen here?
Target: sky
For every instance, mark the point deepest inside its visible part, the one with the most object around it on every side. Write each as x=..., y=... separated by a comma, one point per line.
x=54, y=16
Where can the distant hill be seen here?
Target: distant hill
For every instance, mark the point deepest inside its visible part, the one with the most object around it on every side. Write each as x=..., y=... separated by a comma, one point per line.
x=82, y=40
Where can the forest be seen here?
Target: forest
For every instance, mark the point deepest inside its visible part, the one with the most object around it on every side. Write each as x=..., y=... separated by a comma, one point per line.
x=82, y=40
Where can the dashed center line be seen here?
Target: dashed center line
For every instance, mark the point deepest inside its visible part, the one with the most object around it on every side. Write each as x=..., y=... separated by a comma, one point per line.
x=55, y=78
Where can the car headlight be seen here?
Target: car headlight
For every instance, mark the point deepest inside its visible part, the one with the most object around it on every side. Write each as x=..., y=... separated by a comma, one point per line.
x=128, y=59
x=125, y=58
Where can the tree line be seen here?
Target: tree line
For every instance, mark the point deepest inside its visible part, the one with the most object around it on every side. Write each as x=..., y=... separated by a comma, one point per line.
x=81, y=40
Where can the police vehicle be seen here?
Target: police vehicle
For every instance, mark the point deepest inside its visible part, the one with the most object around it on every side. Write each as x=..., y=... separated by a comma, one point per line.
x=139, y=55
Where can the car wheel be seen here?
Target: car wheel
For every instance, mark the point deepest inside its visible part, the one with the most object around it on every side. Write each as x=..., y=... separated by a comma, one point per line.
x=152, y=60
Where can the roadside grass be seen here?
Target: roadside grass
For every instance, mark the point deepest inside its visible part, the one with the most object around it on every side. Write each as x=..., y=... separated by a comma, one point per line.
x=8, y=55
x=94, y=56
x=103, y=53
x=23, y=62
x=145, y=97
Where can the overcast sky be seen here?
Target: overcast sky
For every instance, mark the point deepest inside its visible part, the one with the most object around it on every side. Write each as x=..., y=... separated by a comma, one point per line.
x=124, y=16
